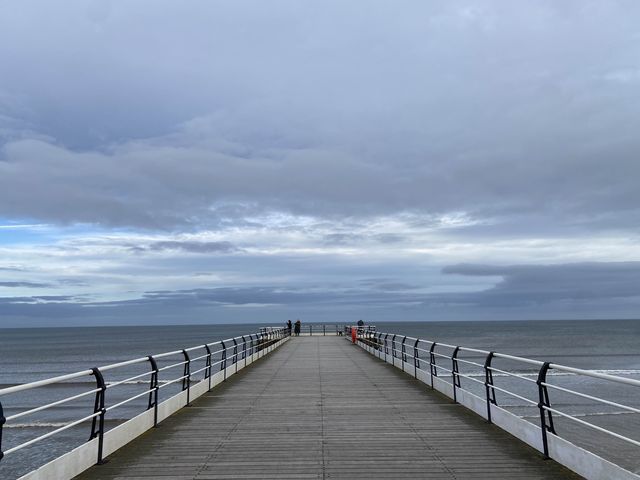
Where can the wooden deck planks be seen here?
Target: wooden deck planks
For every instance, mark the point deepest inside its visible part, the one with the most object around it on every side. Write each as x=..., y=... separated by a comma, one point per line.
x=319, y=407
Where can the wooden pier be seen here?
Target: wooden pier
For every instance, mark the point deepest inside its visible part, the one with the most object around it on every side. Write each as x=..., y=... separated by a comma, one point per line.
x=320, y=407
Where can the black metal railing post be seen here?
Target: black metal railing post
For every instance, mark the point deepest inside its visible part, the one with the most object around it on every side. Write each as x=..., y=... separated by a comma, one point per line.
x=393, y=349
x=546, y=419
x=244, y=350
x=488, y=385
x=235, y=354
x=97, y=423
x=403, y=352
x=386, y=348
x=416, y=358
x=252, y=347
x=153, y=389
x=310, y=330
x=223, y=361
x=324, y=330
x=186, y=374
x=3, y=420
x=379, y=347
x=207, y=372
x=433, y=366
x=455, y=378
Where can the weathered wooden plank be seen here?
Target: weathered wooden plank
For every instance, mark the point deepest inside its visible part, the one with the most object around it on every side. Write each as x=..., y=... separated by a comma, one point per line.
x=321, y=408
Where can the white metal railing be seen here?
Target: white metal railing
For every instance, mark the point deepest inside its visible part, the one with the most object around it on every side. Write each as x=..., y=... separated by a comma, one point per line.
x=200, y=359
x=442, y=361
x=316, y=329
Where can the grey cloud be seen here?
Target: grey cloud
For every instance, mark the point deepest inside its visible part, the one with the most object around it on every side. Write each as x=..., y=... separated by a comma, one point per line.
x=73, y=282
x=505, y=112
x=526, y=285
x=587, y=290
x=385, y=284
x=249, y=295
x=389, y=238
x=38, y=299
x=478, y=270
x=24, y=285
x=194, y=247
x=55, y=298
x=341, y=238
x=355, y=238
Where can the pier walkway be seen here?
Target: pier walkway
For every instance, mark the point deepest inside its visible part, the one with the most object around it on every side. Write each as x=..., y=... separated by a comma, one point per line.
x=320, y=407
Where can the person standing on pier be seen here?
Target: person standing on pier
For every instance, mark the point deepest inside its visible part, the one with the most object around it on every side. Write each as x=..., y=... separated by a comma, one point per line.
x=297, y=328
x=289, y=326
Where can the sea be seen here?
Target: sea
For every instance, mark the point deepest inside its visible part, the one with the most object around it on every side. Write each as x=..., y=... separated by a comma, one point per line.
x=606, y=346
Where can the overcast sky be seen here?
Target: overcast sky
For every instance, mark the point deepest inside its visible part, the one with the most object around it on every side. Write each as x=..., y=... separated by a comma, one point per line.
x=238, y=161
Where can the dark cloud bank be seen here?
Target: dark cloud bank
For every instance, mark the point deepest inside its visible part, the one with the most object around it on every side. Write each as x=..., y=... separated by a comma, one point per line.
x=525, y=113
x=152, y=116
x=592, y=290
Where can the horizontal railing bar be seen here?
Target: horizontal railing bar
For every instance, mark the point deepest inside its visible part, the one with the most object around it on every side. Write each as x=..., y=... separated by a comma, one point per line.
x=602, y=376
x=470, y=362
x=170, y=382
x=130, y=399
x=52, y=404
x=240, y=345
x=591, y=425
x=47, y=381
x=440, y=367
x=473, y=350
x=458, y=374
x=537, y=363
x=49, y=434
x=446, y=345
x=120, y=382
x=494, y=369
x=525, y=399
x=398, y=343
x=590, y=397
x=106, y=368
x=200, y=370
x=200, y=357
x=191, y=349
x=442, y=355
x=173, y=365
x=167, y=354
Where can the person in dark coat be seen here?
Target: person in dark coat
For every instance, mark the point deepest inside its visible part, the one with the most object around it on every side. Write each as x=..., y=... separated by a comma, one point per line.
x=289, y=324
x=296, y=328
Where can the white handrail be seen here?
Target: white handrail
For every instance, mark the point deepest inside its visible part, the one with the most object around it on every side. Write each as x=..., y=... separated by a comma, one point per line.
x=380, y=339
x=100, y=386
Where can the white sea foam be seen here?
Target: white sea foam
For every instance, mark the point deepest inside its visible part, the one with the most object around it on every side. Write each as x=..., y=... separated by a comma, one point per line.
x=35, y=425
x=53, y=424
